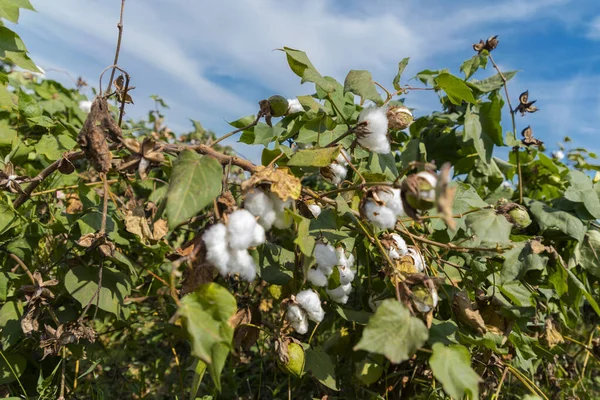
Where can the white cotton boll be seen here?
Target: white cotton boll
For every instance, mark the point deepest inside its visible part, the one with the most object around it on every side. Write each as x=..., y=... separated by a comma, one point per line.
x=240, y=227
x=380, y=216
x=434, y=297
x=418, y=259
x=507, y=185
x=85, y=105
x=400, y=249
x=261, y=206
x=339, y=173
x=315, y=210
x=283, y=220
x=294, y=106
x=376, y=143
x=259, y=236
x=377, y=121
x=301, y=326
x=311, y=303
x=346, y=274
x=428, y=195
x=316, y=277
x=395, y=204
x=297, y=318
x=340, y=293
x=278, y=204
x=217, y=253
x=341, y=159
x=242, y=263
x=325, y=257
x=558, y=155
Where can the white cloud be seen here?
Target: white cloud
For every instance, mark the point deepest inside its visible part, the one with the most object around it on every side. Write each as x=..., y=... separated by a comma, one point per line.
x=594, y=28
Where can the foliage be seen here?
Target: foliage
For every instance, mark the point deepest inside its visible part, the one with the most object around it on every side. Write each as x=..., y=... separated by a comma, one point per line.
x=113, y=287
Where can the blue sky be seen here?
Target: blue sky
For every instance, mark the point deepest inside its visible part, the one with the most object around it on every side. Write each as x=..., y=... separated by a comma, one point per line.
x=213, y=60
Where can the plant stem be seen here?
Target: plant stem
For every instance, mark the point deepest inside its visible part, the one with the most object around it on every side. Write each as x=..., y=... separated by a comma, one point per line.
x=14, y=374
x=235, y=131
x=23, y=266
x=118, y=49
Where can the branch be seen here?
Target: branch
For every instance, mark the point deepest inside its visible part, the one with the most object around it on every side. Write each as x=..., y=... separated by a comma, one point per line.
x=237, y=131
x=118, y=49
x=207, y=150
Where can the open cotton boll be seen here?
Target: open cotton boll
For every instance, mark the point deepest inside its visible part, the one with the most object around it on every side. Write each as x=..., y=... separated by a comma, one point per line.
x=278, y=204
x=258, y=236
x=376, y=143
x=346, y=274
x=400, y=249
x=315, y=210
x=310, y=302
x=418, y=259
x=338, y=174
x=282, y=220
x=240, y=229
x=380, y=216
x=316, y=277
x=217, y=253
x=428, y=195
x=326, y=257
x=297, y=318
x=395, y=204
x=376, y=119
x=340, y=159
x=85, y=105
x=260, y=205
x=294, y=106
x=242, y=263
x=340, y=293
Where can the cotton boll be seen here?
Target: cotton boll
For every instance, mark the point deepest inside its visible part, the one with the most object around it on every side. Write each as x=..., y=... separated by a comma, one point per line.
x=278, y=204
x=428, y=195
x=297, y=318
x=294, y=106
x=261, y=206
x=301, y=326
x=558, y=155
x=315, y=210
x=375, y=143
x=346, y=275
x=337, y=174
x=85, y=105
x=376, y=118
x=316, y=277
x=242, y=263
x=325, y=257
x=395, y=204
x=400, y=249
x=380, y=216
x=283, y=220
x=217, y=253
x=240, y=229
x=340, y=293
x=418, y=259
x=310, y=302
x=340, y=159
x=258, y=236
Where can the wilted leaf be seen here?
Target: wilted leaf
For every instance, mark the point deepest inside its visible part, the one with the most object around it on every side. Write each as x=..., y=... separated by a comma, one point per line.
x=283, y=183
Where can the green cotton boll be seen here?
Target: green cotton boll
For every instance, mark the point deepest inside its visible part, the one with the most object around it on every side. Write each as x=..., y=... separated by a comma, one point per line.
x=279, y=105
x=296, y=359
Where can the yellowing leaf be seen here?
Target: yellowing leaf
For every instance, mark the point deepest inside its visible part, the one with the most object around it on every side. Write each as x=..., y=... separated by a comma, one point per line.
x=283, y=183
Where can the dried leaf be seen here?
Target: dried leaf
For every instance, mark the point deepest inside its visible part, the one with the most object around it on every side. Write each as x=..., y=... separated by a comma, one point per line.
x=464, y=310
x=160, y=229
x=553, y=336
x=283, y=183
x=138, y=226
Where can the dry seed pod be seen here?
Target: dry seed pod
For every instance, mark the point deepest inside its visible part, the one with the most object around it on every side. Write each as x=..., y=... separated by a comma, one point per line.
x=529, y=140
x=399, y=117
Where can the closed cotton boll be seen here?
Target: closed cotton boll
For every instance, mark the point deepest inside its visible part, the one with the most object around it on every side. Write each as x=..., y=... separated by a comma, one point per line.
x=297, y=318
x=315, y=210
x=217, y=253
x=326, y=257
x=240, y=227
x=316, y=277
x=380, y=216
x=260, y=205
x=400, y=249
x=294, y=106
x=310, y=302
x=242, y=263
x=259, y=236
x=418, y=259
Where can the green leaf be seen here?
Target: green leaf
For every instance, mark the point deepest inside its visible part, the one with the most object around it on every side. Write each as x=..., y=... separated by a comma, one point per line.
x=53, y=147
x=473, y=133
x=276, y=264
x=206, y=313
x=314, y=157
x=455, y=88
x=13, y=48
x=301, y=66
x=360, y=82
x=16, y=366
x=7, y=216
x=199, y=370
x=195, y=183
x=554, y=222
x=10, y=323
x=489, y=228
x=519, y=260
x=321, y=366
x=28, y=105
x=579, y=285
x=492, y=83
x=470, y=66
x=360, y=317
x=451, y=365
x=393, y=332
x=581, y=190
x=369, y=370
x=401, y=66
x=9, y=9
x=490, y=115
x=82, y=283
x=589, y=252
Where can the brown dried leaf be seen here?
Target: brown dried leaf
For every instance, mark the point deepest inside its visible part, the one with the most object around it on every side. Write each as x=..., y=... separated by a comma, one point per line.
x=553, y=336
x=160, y=229
x=463, y=308
x=138, y=226
x=283, y=183
x=74, y=205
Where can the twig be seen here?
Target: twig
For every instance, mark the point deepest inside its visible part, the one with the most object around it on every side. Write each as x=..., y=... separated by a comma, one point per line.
x=495, y=396
x=207, y=150
x=514, y=126
x=14, y=374
x=62, y=374
x=110, y=181
x=236, y=131
x=104, y=204
x=23, y=266
x=118, y=49
x=343, y=135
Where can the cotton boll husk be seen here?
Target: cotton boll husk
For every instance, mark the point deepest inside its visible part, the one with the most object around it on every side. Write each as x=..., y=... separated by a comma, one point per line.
x=240, y=229
x=294, y=106
x=325, y=257
x=346, y=275
x=400, y=250
x=310, y=302
x=242, y=263
x=258, y=236
x=381, y=216
x=217, y=253
x=316, y=277
x=418, y=259
x=315, y=210
x=376, y=118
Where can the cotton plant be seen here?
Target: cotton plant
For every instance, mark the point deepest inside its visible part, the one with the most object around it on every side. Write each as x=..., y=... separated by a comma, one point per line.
x=227, y=244
x=268, y=207
x=327, y=258
x=336, y=171
x=305, y=306
x=294, y=106
x=384, y=207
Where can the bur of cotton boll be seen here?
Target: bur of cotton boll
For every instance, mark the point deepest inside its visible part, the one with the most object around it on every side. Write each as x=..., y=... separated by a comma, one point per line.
x=310, y=302
x=325, y=257
x=400, y=249
x=294, y=106
x=240, y=229
x=260, y=205
x=418, y=259
x=297, y=318
x=316, y=277
x=375, y=137
x=381, y=216
x=217, y=253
